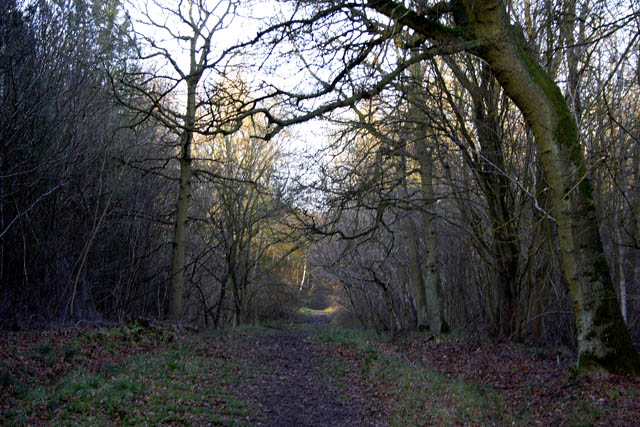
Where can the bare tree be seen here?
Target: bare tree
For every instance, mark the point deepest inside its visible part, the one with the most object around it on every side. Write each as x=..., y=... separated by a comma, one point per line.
x=180, y=38
x=482, y=28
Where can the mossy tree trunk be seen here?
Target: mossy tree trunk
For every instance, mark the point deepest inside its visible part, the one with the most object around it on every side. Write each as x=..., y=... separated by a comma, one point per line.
x=603, y=338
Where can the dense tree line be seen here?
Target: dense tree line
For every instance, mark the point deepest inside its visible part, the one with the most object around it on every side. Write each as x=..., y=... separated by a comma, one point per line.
x=524, y=183
x=92, y=173
x=75, y=241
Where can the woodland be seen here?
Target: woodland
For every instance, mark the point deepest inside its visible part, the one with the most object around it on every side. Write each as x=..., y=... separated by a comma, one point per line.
x=432, y=171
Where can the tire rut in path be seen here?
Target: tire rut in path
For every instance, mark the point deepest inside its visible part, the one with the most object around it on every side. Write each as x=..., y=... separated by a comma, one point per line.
x=292, y=389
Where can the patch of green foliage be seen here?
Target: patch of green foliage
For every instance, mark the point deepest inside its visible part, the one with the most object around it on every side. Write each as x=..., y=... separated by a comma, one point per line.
x=8, y=380
x=181, y=384
x=358, y=338
x=236, y=332
x=46, y=353
x=69, y=351
x=416, y=395
x=132, y=335
x=307, y=310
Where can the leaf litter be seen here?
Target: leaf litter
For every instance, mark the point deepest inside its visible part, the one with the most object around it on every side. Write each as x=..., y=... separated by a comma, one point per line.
x=288, y=377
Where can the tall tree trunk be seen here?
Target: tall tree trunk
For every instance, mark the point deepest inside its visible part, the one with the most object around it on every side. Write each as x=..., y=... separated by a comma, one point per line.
x=182, y=209
x=543, y=231
x=488, y=164
x=621, y=253
x=223, y=290
x=413, y=253
x=497, y=191
x=415, y=274
x=418, y=118
x=196, y=67
x=304, y=274
x=431, y=278
x=603, y=338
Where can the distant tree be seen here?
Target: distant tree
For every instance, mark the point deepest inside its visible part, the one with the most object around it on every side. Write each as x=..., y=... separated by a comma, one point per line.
x=248, y=208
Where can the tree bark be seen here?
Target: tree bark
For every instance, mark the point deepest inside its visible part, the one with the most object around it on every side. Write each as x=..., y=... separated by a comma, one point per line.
x=415, y=273
x=182, y=208
x=497, y=191
x=415, y=269
x=603, y=338
x=217, y=320
x=417, y=103
x=431, y=278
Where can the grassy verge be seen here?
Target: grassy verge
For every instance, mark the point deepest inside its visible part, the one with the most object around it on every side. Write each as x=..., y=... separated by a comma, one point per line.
x=410, y=393
x=179, y=382
x=307, y=310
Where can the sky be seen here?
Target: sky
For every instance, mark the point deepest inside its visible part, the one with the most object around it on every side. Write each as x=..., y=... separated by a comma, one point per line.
x=157, y=21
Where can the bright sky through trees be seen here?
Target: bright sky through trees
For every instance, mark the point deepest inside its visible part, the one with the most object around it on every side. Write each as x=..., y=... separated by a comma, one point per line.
x=232, y=24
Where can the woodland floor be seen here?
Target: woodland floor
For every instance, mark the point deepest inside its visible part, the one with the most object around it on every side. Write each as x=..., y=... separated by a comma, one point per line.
x=301, y=375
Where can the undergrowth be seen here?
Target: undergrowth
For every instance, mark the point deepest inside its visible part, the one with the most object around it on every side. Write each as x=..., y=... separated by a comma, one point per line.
x=180, y=382
x=411, y=393
x=358, y=338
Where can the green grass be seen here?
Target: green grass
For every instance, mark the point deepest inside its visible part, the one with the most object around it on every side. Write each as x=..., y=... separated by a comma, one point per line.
x=182, y=384
x=6, y=379
x=307, y=310
x=358, y=338
x=46, y=353
x=415, y=395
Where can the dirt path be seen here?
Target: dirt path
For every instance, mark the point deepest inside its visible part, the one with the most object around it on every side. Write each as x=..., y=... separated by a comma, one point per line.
x=130, y=375
x=288, y=384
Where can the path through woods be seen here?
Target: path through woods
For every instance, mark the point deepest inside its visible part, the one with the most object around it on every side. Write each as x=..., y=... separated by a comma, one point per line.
x=292, y=387
x=299, y=375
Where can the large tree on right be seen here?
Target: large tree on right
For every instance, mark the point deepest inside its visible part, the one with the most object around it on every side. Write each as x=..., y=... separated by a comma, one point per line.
x=603, y=338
